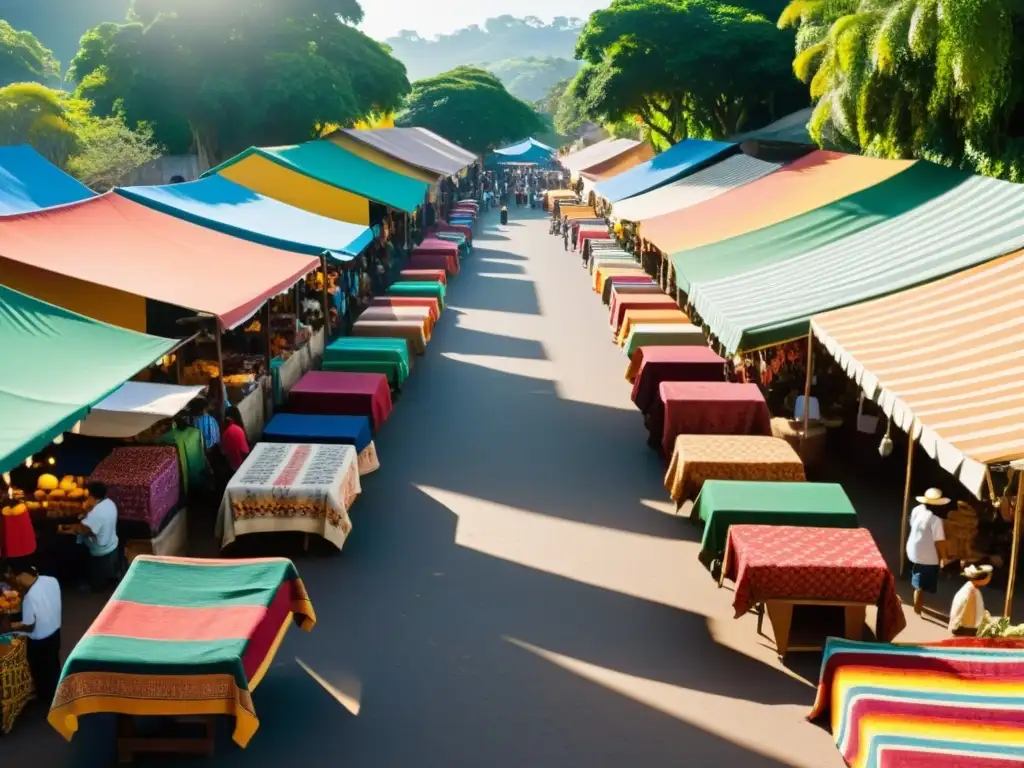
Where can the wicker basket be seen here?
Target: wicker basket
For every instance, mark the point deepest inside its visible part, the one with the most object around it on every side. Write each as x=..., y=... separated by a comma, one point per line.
x=15, y=681
x=961, y=527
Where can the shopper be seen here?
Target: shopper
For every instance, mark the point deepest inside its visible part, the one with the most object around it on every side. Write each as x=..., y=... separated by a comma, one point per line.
x=40, y=620
x=926, y=545
x=234, y=442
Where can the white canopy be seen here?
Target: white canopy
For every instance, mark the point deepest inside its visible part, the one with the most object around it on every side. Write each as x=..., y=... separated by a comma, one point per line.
x=135, y=407
x=596, y=154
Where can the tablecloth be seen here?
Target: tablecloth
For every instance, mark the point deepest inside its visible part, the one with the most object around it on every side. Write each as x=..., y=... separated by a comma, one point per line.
x=409, y=301
x=636, y=279
x=183, y=637
x=433, y=245
x=706, y=408
x=649, y=366
x=430, y=290
x=603, y=273
x=446, y=261
x=698, y=458
x=830, y=564
x=143, y=481
x=588, y=233
x=292, y=487
x=609, y=260
x=626, y=290
x=622, y=303
x=327, y=430
x=411, y=331
x=633, y=317
x=419, y=315
x=723, y=503
x=284, y=373
x=409, y=275
x=343, y=394
x=670, y=335
x=368, y=355
x=462, y=229
x=253, y=408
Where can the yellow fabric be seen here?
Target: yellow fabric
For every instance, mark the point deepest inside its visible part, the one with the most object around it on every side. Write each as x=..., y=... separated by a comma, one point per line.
x=377, y=157
x=620, y=163
x=125, y=310
x=273, y=180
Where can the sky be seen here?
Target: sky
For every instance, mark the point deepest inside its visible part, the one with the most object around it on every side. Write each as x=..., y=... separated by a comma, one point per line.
x=384, y=18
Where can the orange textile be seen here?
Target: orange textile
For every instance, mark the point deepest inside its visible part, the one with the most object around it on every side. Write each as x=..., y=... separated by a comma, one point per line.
x=633, y=317
x=631, y=158
x=812, y=181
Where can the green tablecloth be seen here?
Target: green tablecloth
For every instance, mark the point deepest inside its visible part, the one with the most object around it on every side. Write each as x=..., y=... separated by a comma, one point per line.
x=416, y=288
x=454, y=237
x=722, y=503
x=663, y=335
x=369, y=355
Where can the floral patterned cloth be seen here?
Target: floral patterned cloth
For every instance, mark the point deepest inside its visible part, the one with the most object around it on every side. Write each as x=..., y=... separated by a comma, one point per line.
x=697, y=458
x=292, y=487
x=143, y=481
x=829, y=564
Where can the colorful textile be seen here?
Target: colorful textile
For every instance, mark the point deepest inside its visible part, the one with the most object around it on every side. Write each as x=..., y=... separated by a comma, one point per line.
x=183, y=637
x=419, y=315
x=602, y=274
x=343, y=394
x=367, y=355
x=786, y=562
x=609, y=259
x=433, y=290
x=15, y=679
x=672, y=334
x=626, y=290
x=408, y=301
x=423, y=275
x=595, y=154
x=953, y=704
x=649, y=366
x=449, y=262
x=699, y=458
x=621, y=303
x=326, y=430
x=462, y=229
x=680, y=160
x=633, y=317
x=415, y=146
x=630, y=279
x=292, y=487
x=143, y=481
x=191, y=450
x=706, y=408
x=587, y=233
x=411, y=331
x=434, y=245
x=29, y=182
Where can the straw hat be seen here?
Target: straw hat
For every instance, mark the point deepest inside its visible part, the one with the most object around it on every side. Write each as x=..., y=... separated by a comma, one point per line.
x=977, y=572
x=933, y=497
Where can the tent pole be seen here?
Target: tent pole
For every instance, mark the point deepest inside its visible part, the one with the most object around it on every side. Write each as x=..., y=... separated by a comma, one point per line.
x=268, y=347
x=1015, y=549
x=324, y=300
x=807, y=387
x=218, y=335
x=906, y=498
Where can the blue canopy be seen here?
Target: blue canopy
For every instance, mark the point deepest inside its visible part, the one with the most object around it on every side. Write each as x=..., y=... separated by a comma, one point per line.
x=681, y=160
x=217, y=203
x=529, y=151
x=28, y=182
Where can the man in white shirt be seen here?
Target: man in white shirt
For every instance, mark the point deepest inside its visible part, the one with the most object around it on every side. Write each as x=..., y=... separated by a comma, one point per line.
x=926, y=545
x=968, y=607
x=40, y=620
x=98, y=531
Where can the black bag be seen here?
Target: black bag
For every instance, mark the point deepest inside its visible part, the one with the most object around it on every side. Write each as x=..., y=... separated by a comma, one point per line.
x=504, y=216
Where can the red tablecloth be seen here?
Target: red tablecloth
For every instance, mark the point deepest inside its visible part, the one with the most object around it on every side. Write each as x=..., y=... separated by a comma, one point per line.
x=587, y=233
x=436, y=245
x=784, y=562
x=448, y=262
x=706, y=408
x=343, y=394
x=658, y=364
x=409, y=301
x=17, y=536
x=143, y=481
x=423, y=275
x=620, y=303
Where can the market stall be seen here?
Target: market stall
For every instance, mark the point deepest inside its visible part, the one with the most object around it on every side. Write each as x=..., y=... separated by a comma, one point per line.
x=944, y=705
x=408, y=301
x=183, y=637
x=669, y=335
x=699, y=458
x=806, y=577
x=603, y=274
x=633, y=281
x=634, y=317
x=423, y=275
x=369, y=355
x=706, y=408
x=621, y=303
x=143, y=481
x=412, y=331
x=420, y=315
x=449, y=262
x=650, y=366
x=343, y=394
x=319, y=429
x=285, y=487
x=431, y=290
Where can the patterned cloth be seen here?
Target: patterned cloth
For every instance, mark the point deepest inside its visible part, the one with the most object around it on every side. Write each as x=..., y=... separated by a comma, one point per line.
x=292, y=487
x=143, y=481
x=830, y=564
x=706, y=408
x=650, y=366
x=15, y=680
x=953, y=704
x=420, y=315
x=697, y=458
x=411, y=331
x=634, y=317
x=602, y=274
x=183, y=636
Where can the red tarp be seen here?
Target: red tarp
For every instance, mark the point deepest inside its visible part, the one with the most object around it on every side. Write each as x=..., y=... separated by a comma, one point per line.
x=112, y=241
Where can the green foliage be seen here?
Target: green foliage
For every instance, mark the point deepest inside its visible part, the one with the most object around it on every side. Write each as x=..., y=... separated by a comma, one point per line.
x=216, y=77
x=24, y=59
x=31, y=113
x=470, y=107
x=911, y=78
x=684, y=67
x=531, y=79
x=108, y=151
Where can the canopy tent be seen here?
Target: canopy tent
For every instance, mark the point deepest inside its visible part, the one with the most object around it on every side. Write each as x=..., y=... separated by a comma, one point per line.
x=377, y=157
x=135, y=407
x=329, y=164
x=791, y=129
x=582, y=159
x=926, y=223
x=219, y=204
x=812, y=181
x=109, y=252
x=693, y=190
x=680, y=160
x=944, y=359
x=416, y=146
x=529, y=152
x=618, y=164
x=28, y=182
x=55, y=365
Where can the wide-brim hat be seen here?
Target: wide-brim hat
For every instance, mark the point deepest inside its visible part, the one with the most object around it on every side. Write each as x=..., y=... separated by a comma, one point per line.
x=933, y=497
x=977, y=572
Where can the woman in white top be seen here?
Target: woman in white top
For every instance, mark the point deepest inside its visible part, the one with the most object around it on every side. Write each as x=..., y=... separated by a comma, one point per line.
x=40, y=620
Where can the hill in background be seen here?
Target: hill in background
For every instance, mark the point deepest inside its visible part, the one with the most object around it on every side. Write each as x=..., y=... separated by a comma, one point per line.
x=531, y=79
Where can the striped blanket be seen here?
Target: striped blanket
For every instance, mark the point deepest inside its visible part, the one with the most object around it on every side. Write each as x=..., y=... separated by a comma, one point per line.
x=953, y=704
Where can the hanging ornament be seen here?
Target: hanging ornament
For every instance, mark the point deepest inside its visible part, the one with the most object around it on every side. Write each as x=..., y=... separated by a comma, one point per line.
x=885, y=447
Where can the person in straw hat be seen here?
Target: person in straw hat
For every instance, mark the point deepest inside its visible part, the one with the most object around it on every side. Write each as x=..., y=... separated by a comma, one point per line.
x=926, y=545
x=968, y=607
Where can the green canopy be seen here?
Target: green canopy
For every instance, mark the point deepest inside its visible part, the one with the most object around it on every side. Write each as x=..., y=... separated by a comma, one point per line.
x=722, y=503
x=55, y=366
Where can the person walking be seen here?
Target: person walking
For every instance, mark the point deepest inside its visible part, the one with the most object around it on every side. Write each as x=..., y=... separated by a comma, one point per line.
x=926, y=545
x=968, y=608
x=40, y=621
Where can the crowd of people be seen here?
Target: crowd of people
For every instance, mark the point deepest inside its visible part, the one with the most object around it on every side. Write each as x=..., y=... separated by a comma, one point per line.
x=519, y=185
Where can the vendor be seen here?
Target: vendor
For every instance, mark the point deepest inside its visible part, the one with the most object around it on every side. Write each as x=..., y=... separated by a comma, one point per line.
x=233, y=441
x=40, y=620
x=205, y=422
x=926, y=545
x=98, y=531
x=968, y=607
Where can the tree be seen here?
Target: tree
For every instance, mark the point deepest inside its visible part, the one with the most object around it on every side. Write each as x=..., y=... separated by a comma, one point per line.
x=24, y=59
x=685, y=67
x=218, y=77
x=530, y=79
x=913, y=78
x=31, y=113
x=470, y=107
x=108, y=151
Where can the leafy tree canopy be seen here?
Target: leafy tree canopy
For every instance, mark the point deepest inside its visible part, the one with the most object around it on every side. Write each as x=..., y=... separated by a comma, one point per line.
x=220, y=76
x=683, y=67
x=470, y=107
x=24, y=59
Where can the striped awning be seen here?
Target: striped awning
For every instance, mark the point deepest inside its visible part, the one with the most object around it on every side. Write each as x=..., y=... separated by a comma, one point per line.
x=946, y=359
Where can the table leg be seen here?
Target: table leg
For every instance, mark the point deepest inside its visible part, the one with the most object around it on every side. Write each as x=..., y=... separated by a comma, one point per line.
x=780, y=613
x=854, y=622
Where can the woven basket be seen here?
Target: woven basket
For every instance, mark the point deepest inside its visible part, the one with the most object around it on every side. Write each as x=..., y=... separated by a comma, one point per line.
x=961, y=526
x=15, y=681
